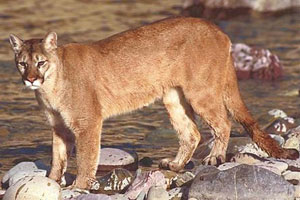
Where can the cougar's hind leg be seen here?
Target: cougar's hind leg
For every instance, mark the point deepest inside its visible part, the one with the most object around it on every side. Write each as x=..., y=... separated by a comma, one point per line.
x=182, y=119
x=213, y=112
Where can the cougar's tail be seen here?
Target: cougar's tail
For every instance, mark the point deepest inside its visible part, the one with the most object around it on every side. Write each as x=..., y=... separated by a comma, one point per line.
x=240, y=113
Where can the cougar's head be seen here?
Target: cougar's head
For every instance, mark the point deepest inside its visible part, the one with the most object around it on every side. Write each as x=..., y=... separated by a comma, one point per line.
x=34, y=58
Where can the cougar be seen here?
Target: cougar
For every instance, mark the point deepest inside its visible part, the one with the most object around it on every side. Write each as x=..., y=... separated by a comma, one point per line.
x=186, y=62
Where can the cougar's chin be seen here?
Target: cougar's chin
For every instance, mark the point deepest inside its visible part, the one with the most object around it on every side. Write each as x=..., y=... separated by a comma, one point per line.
x=33, y=86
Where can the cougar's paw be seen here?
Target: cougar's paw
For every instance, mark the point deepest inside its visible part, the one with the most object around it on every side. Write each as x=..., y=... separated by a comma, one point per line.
x=169, y=164
x=213, y=160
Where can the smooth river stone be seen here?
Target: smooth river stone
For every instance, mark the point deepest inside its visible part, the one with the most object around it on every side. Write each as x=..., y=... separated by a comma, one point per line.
x=111, y=158
x=33, y=188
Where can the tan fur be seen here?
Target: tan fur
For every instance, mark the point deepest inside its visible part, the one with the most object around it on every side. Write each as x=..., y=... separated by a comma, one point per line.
x=184, y=61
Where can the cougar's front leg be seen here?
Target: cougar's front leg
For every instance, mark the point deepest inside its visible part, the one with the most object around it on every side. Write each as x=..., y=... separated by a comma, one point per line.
x=87, y=154
x=62, y=146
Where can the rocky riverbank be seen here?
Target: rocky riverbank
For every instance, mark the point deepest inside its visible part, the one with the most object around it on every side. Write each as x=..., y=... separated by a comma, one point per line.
x=247, y=174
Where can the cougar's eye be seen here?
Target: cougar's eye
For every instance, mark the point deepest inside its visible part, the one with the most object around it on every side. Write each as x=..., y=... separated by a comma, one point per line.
x=40, y=64
x=23, y=64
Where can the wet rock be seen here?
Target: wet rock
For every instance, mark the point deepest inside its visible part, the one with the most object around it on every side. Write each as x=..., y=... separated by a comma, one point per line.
x=144, y=181
x=92, y=197
x=157, y=193
x=24, y=168
x=115, y=181
x=146, y=162
x=280, y=126
x=241, y=182
x=111, y=158
x=184, y=178
x=33, y=188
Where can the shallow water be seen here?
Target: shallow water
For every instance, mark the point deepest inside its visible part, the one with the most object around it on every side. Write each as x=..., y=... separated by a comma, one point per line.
x=24, y=133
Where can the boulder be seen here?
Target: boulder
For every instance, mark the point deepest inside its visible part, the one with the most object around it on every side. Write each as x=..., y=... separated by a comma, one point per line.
x=33, y=188
x=239, y=183
x=111, y=158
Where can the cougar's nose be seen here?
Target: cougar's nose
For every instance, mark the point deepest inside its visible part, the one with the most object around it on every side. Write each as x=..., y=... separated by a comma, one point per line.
x=31, y=79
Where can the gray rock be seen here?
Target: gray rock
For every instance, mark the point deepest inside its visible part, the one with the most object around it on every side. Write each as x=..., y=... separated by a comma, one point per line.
x=111, y=158
x=93, y=197
x=157, y=193
x=227, y=165
x=178, y=193
x=239, y=183
x=118, y=197
x=205, y=169
x=33, y=188
x=236, y=143
x=184, y=178
x=146, y=162
x=25, y=168
x=247, y=158
x=21, y=174
x=68, y=194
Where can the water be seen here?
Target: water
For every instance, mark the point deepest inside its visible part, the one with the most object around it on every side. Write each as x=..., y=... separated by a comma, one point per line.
x=24, y=133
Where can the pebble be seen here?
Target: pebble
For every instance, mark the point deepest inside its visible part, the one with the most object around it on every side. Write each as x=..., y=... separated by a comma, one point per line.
x=291, y=175
x=292, y=143
x=157, y=193
x=277, y=113
x=115, y=181
x=33, y=188
x=184, y=178
x=111, y=158
x=143, y=182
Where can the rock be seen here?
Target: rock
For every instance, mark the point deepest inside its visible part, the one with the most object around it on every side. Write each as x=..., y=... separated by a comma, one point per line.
x=118, y=197
x=277, y=113
x=279, y=139
x=241, y=182
x=157, y=193
x=297, y=191
x=92, y=197
x=184, y=178
x=146, y=162
x=206, y=169
x=216, y=9
x=170, y=177
x=291, y=175
x=24, y=169
x=235, y=144
x=33, y=188
x=68, y=194
x=19, y=175
x=253, y=149
x=144, y=181
x=111, y=158
x=280, y=126
x=277, y=167
x=178, y=193
x=115, y=181
x=294, y=132
x=247, y=158
x=292, y=143
x=227, y=165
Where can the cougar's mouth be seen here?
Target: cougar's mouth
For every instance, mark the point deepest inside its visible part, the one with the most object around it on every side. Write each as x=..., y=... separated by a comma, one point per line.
x=34, y=85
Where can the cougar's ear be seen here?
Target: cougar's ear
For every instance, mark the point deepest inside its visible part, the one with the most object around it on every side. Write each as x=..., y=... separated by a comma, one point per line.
x=50, y=41
x=16, y=43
